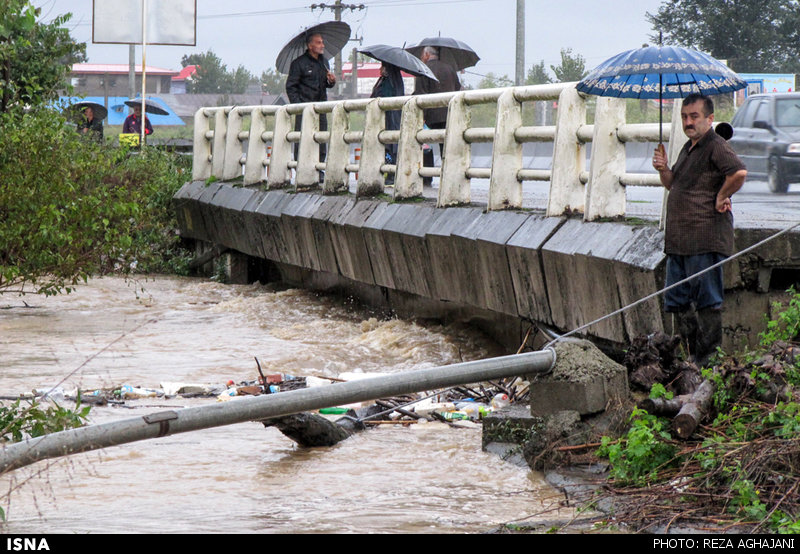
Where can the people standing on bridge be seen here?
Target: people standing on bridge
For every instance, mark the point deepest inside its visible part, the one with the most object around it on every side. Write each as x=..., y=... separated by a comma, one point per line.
x=390, y=83
x=133, y=123
x=435, y=118
x=699, y=225
x=309, y=79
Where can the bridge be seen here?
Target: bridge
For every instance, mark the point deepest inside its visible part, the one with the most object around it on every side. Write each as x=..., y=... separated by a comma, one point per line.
x=472, y=248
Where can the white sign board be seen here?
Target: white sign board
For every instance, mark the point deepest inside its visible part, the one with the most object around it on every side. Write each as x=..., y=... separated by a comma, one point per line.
x=168, y=22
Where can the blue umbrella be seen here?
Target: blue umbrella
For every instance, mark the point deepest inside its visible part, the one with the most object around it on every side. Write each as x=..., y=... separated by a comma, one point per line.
x=660, y=72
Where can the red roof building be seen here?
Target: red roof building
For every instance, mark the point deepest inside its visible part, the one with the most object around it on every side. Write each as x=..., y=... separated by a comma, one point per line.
x=97, y=79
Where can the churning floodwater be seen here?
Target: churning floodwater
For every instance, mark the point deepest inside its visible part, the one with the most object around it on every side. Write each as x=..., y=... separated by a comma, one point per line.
x=244, y=478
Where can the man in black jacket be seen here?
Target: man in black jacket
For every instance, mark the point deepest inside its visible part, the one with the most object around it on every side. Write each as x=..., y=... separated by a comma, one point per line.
x=435, y=118
x=309, y=79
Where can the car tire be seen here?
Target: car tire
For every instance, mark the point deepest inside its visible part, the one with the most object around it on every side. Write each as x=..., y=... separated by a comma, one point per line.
x=776, y=180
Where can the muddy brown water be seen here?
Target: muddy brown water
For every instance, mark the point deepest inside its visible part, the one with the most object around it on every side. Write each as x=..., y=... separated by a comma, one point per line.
x=244, y=478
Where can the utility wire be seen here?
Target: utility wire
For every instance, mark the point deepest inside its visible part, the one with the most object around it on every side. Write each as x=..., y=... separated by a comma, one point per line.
x=665, y=289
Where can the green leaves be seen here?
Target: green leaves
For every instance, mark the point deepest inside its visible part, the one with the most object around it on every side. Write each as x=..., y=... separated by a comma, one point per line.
x=72, y=208
x=637, y=457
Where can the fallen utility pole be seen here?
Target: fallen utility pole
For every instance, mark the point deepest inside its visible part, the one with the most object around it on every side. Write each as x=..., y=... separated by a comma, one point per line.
x=256, y=408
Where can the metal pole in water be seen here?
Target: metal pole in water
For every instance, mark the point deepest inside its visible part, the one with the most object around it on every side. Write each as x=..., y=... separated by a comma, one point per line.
x=256, y=408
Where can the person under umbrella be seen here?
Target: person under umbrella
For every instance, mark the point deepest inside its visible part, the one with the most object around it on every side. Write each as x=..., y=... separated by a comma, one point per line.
x=133, y=123
x=390, y=83
x=699, y=227
x=309, y=79
x=447, y=80
x=91, y=126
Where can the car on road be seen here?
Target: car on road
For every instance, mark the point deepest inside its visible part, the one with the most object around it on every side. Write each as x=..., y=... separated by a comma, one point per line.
x=767, y=138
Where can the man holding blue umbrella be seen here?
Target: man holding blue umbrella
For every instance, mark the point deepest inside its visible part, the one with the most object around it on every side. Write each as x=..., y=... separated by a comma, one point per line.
x=699, y=225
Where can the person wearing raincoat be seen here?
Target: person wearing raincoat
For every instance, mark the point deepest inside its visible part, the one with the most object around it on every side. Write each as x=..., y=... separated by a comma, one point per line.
x=390, y=83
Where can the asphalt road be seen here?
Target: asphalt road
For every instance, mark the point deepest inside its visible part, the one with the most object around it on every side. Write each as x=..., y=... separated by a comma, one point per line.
x=753, y=206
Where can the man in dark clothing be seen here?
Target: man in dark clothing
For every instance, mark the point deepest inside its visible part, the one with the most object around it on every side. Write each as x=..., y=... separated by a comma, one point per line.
x=309, y=79
x=389, y=84
x=90, y=126
x=435, y=118
x=699, y=225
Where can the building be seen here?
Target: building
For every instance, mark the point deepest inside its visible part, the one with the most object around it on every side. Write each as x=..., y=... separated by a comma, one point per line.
x=95, y=79
x=180, y=80
x=368, y=74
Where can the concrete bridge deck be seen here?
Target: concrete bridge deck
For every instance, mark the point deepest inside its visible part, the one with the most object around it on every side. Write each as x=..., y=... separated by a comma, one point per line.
x=500, y=270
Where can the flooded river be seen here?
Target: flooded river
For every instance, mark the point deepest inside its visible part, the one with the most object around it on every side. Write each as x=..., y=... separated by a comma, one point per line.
x=424, y=478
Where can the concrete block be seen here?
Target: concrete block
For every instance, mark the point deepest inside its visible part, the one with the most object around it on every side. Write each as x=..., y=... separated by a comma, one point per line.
x=404, y=235
x=380, y=253
x=583, y=380
x=252, y=243
x=230, y=202
x=449, y=261
x=494, y=231
x=639, y=271
x=582, y=284
x=349, y=242
x=525, y=266
x=322, y=229
x=268, y=215
x=189, y=211
x=296, y=218
x=206, y=209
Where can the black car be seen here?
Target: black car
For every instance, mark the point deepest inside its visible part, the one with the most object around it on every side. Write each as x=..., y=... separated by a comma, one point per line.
x=767, y=138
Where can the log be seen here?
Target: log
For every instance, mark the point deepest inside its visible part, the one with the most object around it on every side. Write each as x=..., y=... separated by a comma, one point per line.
x=311, y=430
x=664, y=406
x=694, y=410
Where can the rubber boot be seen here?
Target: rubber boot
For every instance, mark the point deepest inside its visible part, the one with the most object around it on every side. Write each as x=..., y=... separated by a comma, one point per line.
x=686, y=329
x=709, y=334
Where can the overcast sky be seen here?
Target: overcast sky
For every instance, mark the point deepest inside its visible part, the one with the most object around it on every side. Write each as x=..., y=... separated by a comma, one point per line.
x=251, y=32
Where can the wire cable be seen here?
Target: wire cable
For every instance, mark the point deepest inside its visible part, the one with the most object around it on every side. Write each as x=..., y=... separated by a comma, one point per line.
x=665, y=289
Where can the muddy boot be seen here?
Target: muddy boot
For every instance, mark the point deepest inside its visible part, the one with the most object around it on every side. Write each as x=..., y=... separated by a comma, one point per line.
x=709, y=334
x=685, y=327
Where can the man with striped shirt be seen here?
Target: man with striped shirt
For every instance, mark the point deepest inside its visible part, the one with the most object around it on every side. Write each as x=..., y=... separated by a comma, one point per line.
x=699, y=225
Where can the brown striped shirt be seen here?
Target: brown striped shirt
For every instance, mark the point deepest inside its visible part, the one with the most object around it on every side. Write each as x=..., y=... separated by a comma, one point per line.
x=694, y=226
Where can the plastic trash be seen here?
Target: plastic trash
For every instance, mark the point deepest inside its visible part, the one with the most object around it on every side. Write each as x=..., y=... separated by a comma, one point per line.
x=53, y=394
x=500, y=401
x=173, y=389
x=426, y=407
x=475, y=410
x=227, y=394
x=338, y=410
x=129, y=391
x=316, y=382
x=455, y=416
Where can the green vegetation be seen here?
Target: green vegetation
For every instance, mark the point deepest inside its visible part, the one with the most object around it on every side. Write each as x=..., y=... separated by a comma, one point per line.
x=73, y=208
x=743, y=468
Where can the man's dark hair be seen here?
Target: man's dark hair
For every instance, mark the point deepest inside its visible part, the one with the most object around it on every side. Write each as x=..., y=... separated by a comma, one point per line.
x=708, y=104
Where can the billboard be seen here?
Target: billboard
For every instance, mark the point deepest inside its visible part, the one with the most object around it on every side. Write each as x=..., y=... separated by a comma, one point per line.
x=167, y=22
x=765, y=83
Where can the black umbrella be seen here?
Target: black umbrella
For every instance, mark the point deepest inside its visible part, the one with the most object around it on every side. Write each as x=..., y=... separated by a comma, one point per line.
x=451, y=51
x=399, y=58
x=76, y=109
x=334, y=33
x=150, y=106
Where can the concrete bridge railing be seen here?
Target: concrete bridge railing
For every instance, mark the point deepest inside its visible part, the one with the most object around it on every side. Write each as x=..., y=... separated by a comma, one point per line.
x=256, y=143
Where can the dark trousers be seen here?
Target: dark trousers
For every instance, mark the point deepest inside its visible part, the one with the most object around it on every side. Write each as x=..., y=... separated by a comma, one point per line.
x=427, y=155
x=323, y=126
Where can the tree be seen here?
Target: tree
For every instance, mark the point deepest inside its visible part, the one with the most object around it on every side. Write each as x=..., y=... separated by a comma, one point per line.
x=213, y=76
x=537, y=75
x=272, y=82
x=572, y=67
x=752, y=36
x=35, y=58
x=490, y=80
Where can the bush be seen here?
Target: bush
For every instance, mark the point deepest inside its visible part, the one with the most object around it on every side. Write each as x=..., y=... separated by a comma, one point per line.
x=72, y=208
